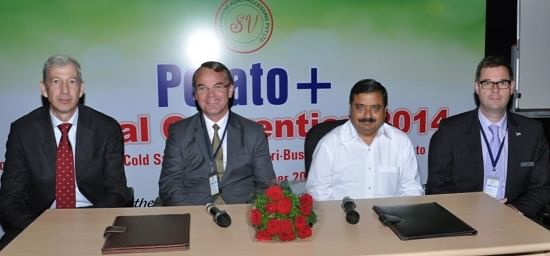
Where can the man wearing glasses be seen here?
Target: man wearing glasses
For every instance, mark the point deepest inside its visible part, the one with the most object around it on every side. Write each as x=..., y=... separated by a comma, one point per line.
x=490, y=149
x=214, y=155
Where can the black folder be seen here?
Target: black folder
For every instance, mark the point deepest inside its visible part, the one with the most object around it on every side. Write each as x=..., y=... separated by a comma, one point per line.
x=417, y=221
x=147, y=233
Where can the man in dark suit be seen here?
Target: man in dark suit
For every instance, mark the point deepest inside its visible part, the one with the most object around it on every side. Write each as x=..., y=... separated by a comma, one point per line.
x=31, y=182
x=490, y=149
x=203, y=164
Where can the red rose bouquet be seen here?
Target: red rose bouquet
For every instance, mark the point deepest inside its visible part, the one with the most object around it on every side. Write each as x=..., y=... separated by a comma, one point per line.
x=279, y=214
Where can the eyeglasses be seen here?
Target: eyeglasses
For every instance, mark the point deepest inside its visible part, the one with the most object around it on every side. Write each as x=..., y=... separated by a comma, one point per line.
x=489, y=85
x=203, y=89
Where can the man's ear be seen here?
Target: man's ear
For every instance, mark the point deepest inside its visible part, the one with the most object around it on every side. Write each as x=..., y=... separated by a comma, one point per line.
x=82, y=89
x=43, y=89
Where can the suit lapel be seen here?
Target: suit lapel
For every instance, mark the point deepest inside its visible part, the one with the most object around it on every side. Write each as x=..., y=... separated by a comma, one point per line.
x=201, y=137
x=47, y=143
x=234, y=143
x=514, y=152
x=84, y=141
x=474, y=141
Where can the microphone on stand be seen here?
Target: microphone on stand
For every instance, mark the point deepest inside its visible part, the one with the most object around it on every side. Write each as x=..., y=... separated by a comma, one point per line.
x=352, y=216
x=220, y=217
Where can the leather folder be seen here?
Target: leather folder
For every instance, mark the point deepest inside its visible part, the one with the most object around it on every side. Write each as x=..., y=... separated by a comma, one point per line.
x=417, y=221
x=147, y=233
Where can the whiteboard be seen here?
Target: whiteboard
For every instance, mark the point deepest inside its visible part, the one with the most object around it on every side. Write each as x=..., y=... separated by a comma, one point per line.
x=533, y=57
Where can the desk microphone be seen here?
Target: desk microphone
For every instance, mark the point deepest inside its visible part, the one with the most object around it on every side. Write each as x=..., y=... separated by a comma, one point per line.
x=352, y=216
x=221, y=218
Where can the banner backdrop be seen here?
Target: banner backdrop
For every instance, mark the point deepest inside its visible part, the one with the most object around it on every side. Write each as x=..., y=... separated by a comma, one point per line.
x=294, y=64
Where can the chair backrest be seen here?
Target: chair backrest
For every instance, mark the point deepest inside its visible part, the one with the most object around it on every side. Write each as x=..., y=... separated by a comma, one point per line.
x=314, y=135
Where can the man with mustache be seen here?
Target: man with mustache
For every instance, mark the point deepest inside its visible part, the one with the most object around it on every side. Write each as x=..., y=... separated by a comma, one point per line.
x=364, y=157
x=61, y=155
x=490, y=149
x=215, y=155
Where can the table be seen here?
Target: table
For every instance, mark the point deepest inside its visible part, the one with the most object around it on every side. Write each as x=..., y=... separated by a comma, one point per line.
x=501, y=230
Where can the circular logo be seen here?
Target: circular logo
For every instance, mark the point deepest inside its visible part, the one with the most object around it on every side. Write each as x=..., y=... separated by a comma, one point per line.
x=244, y=25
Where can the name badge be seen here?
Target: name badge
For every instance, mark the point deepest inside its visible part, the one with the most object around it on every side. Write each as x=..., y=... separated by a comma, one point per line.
x=527, y=164
x=491, y=187
x=214, y=187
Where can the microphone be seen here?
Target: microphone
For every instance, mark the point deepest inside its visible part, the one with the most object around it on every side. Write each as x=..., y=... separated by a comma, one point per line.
x=352, y=216
x=221, y=218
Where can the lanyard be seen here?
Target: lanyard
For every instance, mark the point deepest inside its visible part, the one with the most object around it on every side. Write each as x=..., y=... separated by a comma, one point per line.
x=493, y=160
x=211, y=155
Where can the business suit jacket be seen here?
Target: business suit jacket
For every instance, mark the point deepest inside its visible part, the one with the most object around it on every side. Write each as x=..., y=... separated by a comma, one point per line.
x=455, y=162
x=184, y=179
x=28, y=181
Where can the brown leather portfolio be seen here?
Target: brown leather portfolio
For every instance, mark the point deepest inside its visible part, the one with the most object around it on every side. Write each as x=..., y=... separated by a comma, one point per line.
x=147, y=233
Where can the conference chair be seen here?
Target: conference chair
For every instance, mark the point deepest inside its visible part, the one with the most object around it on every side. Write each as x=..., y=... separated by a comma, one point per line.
x=314, y=135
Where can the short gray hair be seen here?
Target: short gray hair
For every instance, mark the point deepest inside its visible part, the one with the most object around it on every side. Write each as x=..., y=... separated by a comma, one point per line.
x=59, y=61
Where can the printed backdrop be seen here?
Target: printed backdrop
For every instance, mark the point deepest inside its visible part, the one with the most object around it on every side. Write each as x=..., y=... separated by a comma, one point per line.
x=294, y=63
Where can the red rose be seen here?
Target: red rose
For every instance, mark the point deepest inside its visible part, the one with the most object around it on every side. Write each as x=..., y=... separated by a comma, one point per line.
x=274, y=192
x=271, y=208
x=273, y=226
x=284, y=206
x=255, y=217
x=285, y=226
x=287, y=236
x=306, y=200
x=305, y=210
x=263, y=235
x=304, y=232
x=300, y=222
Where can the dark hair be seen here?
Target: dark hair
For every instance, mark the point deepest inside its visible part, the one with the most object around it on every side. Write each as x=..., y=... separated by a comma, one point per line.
x=368, y=86
x=493, y=62
x=216, y=66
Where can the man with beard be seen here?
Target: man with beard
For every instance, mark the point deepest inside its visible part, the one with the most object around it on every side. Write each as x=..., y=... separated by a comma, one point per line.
x=364, y=157
x=490, y=149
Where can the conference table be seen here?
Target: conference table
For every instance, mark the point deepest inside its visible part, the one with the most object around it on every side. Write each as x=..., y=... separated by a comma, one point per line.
x=501, y=230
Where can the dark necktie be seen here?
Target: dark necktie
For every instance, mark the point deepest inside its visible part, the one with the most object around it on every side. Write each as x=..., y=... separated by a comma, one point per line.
x=216, y=142
x=65, y=195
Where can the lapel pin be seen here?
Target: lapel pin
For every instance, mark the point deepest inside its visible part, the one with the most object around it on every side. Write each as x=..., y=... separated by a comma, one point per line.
x=518, y=133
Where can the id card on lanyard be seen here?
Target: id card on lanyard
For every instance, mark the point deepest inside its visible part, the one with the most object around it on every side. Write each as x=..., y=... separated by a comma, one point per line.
x=492, y=183
x=213, y=174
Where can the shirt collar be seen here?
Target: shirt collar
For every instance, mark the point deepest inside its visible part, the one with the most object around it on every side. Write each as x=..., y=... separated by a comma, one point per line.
x=485, y=123
x=56, y=121
x=352, y=135
x=221, y=123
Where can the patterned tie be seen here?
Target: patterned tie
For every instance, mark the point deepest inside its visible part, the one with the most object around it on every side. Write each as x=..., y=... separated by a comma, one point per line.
x=495, y=141
x=64, y=171
x=219, y=156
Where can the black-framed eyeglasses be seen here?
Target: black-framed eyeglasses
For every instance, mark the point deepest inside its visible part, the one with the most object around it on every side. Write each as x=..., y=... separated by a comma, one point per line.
x=489, y=85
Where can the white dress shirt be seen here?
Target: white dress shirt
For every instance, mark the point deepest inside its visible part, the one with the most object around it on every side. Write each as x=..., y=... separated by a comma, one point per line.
x=81, y=200
x=344, y=165
x=222, y=123
x=502, y=163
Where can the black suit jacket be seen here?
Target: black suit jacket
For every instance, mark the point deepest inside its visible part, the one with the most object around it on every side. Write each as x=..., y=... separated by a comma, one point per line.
x=186, y=165
x=455, y=162
x=28, y=181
